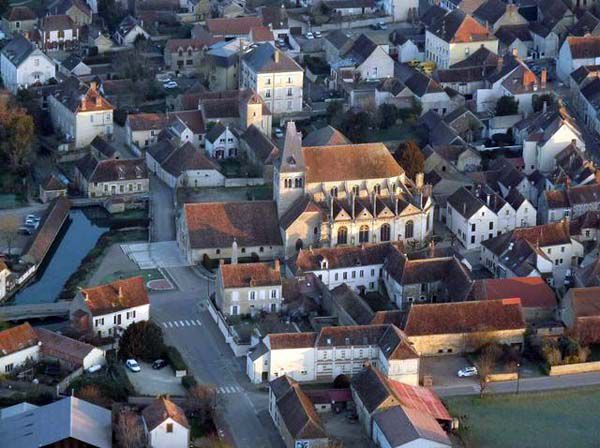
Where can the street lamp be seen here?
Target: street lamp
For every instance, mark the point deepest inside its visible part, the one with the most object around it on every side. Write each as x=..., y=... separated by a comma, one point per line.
x=518, y=377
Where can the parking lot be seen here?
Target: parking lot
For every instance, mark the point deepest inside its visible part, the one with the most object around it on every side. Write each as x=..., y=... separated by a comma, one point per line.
x=443, y=370
x=155, y=382
x=350, y=432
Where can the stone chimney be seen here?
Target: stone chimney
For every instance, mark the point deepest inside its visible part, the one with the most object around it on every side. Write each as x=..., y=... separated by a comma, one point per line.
x=515, y=52
x=120, y=292
x=82, y=102
x=419, y=180
x=234, y=252
x=276, y=56
x=277, y=267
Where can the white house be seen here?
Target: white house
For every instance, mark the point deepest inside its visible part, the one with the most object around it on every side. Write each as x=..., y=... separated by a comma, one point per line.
x=276, y=77
x=166, y=425
x=453, y=37
x=22, y=64
x=58, y=32
x=184, y=165
x=369, y=60
x=333, y=351
x=576, y=52
x=18, y=345
x=129, y=30
x=80, y=113
x=222, y=142
x=401, y=10
x=4, y=273
x=142, y=130
x=112, y=307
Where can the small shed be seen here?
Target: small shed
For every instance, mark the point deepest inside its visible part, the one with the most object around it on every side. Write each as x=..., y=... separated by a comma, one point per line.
x=52, y=187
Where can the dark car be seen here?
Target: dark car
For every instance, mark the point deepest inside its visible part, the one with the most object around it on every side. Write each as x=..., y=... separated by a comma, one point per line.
x=159, y=364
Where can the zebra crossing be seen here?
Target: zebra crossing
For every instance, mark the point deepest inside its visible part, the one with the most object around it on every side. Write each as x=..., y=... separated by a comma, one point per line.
x=229, y=390
x=182, y=323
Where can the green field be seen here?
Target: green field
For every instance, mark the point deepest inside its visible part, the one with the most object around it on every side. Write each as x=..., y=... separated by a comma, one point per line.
x=547, y=419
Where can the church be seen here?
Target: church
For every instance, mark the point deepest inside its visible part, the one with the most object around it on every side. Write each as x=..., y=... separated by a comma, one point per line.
x=348, y=194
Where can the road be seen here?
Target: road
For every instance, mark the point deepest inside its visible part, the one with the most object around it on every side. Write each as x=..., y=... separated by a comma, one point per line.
x=532, y=384
x=242, y=409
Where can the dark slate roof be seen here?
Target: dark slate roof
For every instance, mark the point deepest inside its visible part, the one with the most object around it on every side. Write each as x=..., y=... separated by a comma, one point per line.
x=187, y=158
x=259, y=143
x=18, y=49
x=339, y=39
x=490, y=11
x=587, y=23
x=353, y=304
x=508, y=34
x=361, y=49
x=402, y=425
x=262, y=60
x=103, y=146
x=326, y=136
x=481, y=57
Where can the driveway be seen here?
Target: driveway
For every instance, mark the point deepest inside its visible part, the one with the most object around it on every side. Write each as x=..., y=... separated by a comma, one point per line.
x=156, y=382
x=165, y=254
x=443, y=371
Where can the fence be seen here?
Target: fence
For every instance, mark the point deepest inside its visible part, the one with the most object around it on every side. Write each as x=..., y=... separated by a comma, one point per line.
x=495, y=377
x=62, y=386
x=570, y=369
x=237, y=348
x=244, y=182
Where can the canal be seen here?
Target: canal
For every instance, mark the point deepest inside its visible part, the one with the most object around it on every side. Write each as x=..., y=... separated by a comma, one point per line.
x=80, y=235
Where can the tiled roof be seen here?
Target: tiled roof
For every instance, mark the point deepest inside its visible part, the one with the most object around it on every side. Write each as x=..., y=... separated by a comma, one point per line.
x=108, y=170
x=235, y=26
x=57, y=23
x=192, y=119
x=279, y=341
x=586, y=301
x=584, y=47
x=356, y=307
x=17, y=338
x=174, y=45
x=349, y=162
x=20, y=13
x=344, y=257
x=458, y=27
x=465, y=317
x=219, y=224
x=116, y=296
x=544, y=235
x=394, y=317
x=259, y=143
x=261, y=34
x=325, y=136
x=534, y=292
x=249, y=275
x=299, y=415
x=146, y=121
x=53, y=183
x=161, y=409
x=267, y=59
x=59, y=346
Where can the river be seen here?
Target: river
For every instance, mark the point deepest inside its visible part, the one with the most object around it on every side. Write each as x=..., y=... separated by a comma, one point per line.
x=77, y=239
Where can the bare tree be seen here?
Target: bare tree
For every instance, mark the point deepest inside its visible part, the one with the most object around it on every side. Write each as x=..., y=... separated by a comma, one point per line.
x=486, y=362
x=129, y=431
x=93, y=394
x=201, y=401
x=9, y=230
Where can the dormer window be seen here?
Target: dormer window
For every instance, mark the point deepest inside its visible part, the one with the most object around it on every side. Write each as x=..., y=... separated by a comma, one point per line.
x=377, y=189
x=355, y=189
x=138, y=172
x=334, y=192
x=121, y=172
x=324, y=264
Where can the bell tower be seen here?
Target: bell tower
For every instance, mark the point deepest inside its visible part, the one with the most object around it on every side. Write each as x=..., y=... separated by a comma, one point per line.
x=288, y=174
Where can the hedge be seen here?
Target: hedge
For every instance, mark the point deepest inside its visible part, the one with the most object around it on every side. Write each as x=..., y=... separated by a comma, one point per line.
x=175, y=358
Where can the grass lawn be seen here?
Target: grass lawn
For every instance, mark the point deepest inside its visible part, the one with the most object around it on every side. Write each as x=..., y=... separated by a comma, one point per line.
x=147, y=274
x=9, y=200
x=546, y=419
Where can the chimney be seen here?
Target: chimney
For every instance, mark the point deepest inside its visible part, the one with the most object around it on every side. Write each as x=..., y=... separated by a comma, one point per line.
x=488, y=198
x=543, y=78
x=82, y=102
x=419, y=180
x=221, y=262
x=120, y=292
x=515, y=52
x=277, y=267
x=276, y=56
x=98, y=100
x=545, y=107
x=234, y=252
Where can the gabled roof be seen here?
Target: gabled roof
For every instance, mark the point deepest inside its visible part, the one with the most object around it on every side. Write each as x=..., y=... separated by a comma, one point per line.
x=20, y=13
x=465, y=317
x=219, y=224
x=402, y=425
x=232, y=26
x=57, y=23
x=586, y=301
x=162, y=409
x=343, y=257
x=354, y=305
x=361, y=49
x=18, y=50
x=490, y=11
x=116, y=296
x=325, y=136
x=267, y=59
x=17, y=338
x=458, y=27
x=146, y=121
x=106, y=170
x=187, y=158
x=587, y=23
x=534, y=292
x=262, y=146
x=544, y=235
x=584, y=47
x=482, y=57
x=53, y=183
x=249, y=275
x=510, y=33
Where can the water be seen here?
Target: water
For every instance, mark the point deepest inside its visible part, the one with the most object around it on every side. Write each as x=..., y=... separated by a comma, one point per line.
x=80, y=237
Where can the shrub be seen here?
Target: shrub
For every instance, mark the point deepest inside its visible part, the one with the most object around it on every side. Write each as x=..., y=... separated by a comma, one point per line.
x=142, y=340
x=189, y=381
x=175, y=358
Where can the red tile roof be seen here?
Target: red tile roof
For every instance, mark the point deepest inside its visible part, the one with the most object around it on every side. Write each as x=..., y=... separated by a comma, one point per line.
x=249, y=275
x=421, y=399
x=161, y=409
x=236, y=26
x=116, y=296
x=146, y=121
x=534, y=292
x=17, y=338
x=465, y=317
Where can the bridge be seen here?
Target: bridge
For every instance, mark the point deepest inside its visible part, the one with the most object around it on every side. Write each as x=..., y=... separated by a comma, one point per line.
x=34, y=311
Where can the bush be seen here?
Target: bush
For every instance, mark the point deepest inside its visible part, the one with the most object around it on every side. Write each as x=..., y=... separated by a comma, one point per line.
x=142, y=340
x=175, y=358
x=189, y=381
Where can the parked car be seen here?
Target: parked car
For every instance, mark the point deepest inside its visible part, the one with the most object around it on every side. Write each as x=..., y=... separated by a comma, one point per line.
x=132, y=365
x=281, y=42
x=381, y=26
x=159, y=364
x=467, y=372
x=309, y=35
x=318, y=34
x=170, y=85
x=25, y=230
x=278, y=132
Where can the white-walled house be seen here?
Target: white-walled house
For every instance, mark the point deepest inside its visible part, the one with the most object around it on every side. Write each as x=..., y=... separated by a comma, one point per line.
x=4, y=273
x=142, y=130
x=576, y=52
x=401, y=10
x=22, y=64
x=333, y=351
x=369, y=60
x=129, y=30
x=80, y=113
x=276, y=77
x=58, y=32
x=18, y=345
x=222, y=142
x=112, y=307
x=166, y=425
x=453, y=37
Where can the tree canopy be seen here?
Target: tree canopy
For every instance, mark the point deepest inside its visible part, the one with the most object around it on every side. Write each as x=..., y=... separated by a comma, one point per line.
x=507, y=105
x=16, y=133
x=142, y=341
x=409, y=156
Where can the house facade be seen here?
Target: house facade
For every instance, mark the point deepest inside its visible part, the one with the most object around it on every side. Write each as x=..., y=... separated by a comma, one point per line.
x=111, y=177
x=22, y=64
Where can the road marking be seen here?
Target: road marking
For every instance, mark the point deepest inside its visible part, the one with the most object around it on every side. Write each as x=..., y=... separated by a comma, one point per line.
x=199, y=323
x=176, y=324
x=165, y=324
x=187, y=322
x=229, y=389
x=181, y=322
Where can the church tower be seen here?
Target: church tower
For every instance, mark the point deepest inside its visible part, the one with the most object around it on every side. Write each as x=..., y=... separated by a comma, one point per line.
x=288, y=174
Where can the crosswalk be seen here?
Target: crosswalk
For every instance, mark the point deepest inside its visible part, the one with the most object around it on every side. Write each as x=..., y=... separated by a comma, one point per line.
x=229, y=390
x=182, y=323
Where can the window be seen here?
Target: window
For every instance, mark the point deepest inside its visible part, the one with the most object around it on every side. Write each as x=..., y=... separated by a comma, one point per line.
x=252, y=295
x=472, y=227
x=363, y=234
x=409, y=229
x=268, y=94
x=345, y=275
x=473, y=239
x=355, y=189
x=8, y=368
x=334, y=192
x=169, y=427
x=274, y=294
x=342, y=235
x=361, y=274
x=491, y=225
x=337, y=276
x=562, y=248
x=289, y=80
x=36, y=62
x=384, y=233
x=289, y=92
x=377, y=189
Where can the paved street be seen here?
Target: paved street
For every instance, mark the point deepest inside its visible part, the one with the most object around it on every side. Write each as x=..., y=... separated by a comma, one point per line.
x=162, y=209
x=242, y=409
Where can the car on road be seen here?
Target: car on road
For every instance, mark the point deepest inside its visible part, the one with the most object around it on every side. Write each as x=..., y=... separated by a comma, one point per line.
x=381, y=26
x=466, y=372
x=309, y=36
x=278, y=132
x=170, y=85
x=159, y=364
x=318, y=34
x=132, y=365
